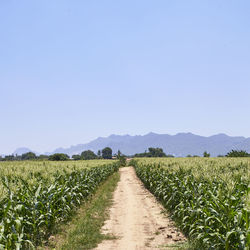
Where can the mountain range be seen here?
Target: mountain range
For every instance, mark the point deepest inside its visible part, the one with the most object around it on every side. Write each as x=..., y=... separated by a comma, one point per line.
x=179, y=145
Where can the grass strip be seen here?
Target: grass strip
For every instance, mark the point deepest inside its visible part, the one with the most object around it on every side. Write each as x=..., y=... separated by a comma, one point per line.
x=84, y=230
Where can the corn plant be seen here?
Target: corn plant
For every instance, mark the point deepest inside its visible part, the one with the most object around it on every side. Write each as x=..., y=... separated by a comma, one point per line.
x=210, y=212
x=28, y=214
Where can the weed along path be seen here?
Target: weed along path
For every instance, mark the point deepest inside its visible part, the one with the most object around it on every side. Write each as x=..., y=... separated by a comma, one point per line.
x=136, y=219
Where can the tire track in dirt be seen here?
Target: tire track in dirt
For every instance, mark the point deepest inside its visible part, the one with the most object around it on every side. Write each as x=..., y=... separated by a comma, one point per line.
x=136, y=218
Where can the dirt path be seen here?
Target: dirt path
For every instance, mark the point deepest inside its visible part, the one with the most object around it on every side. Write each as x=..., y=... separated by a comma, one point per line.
x=136, y=219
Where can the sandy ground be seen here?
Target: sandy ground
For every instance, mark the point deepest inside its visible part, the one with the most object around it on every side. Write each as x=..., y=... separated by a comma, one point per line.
x=136, y=218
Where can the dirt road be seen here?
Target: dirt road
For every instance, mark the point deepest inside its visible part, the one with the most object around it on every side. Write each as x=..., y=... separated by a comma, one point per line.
x=136, y=218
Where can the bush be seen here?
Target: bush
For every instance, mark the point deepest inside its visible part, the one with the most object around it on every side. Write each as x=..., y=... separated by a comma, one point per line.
x=153, y=152
x=76, y=157
x=58, y=157
x=43, y=157
x=206, y=154
x=107, y=153
x=88, y=155
x=28, y=156
x=237, y=153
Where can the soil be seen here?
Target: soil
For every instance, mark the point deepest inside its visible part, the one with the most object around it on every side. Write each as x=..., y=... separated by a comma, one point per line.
x=136, y=218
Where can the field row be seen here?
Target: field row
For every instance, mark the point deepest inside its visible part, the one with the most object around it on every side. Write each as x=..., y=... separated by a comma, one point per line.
x=31, y=210
x=211, y=205
x=31, y=170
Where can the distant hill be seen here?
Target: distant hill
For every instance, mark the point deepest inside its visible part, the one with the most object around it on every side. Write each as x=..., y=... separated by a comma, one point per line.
x=20, y=151
x=180, y=144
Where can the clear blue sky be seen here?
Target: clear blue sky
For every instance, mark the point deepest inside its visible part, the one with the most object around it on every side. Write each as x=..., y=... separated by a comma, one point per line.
x=71, y=71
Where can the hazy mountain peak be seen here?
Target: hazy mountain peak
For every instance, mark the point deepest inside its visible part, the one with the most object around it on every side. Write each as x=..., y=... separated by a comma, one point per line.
x=22, y=150
x=113, y=136
x=185, y=134
x=151, y=134
x=220, y=135
x=180, y=144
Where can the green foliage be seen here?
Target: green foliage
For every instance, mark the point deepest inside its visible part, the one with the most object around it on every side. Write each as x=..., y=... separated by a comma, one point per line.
x=121, y=158
x=58, y=157
x=107, y=153
x=99, y=154
x=85, y=230
x=30, y=213
x=122, y=161
x=153, y=152
x=27, y=170
x=24, y=157
x=43, y=157
x=156, y=152
x=88, y=155
x=189, y=156
x=170, y=156
x=76, y=157
x=206, y=154
x=237, y=153
x=209, y=211
x=28, y=156
x=9, y=158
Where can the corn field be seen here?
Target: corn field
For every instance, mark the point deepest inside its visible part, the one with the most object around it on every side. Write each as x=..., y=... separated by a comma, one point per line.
x=33, y=201
x=208, y=198
x=29, y=170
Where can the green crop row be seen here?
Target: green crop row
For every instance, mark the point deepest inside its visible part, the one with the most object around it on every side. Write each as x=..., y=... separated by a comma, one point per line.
x=210, y=213
x=30, y=213
x=28, y=170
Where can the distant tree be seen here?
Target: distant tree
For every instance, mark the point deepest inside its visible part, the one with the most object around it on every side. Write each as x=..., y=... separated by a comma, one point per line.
x=153, y=152
x=28, y=156
x=121, y=158
x=107, y=153
x=170, y=156
x=237, y=153
x=145, y=154
x=88, y=155
x=156, y=152
x=99, y=154
x=17, y=157
x=43, y=157
x=206, y=154
x=220, y=155
x=76, y=157
x=58, y=157
x=192, y=155
x=9, y=158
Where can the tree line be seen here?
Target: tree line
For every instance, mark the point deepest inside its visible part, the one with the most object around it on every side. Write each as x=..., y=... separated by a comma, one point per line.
x=153, y=152
x=232, y=153
x=106, y=153
x=158, y=152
